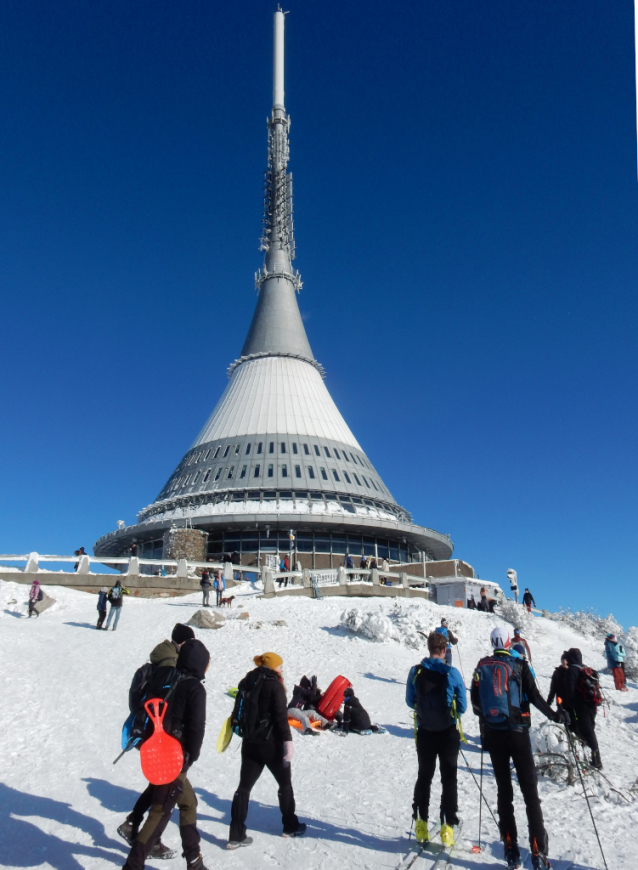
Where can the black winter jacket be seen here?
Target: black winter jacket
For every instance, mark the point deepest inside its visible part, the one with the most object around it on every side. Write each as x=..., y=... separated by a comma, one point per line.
x=272, y=706
x=188, y=705
x=306, y=695
x=572, y=699
x=355, y=717
x=558, y=687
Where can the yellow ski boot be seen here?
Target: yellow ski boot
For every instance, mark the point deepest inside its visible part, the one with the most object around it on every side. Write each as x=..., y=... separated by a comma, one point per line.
x=421, y=830
x=447, y=835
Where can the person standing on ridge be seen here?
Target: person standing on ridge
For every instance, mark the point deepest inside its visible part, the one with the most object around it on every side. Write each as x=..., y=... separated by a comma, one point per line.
x=450, y=637
x=558, y=685
x=101, y=606
x=436, y=692
x=270, y=746
x=580, y=699
x=505, y=723
x=115, y=596
x=528, y=600
x=615, y=654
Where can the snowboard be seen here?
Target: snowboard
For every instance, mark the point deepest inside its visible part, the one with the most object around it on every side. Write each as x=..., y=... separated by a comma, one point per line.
x=332, y=698
x=161, y=755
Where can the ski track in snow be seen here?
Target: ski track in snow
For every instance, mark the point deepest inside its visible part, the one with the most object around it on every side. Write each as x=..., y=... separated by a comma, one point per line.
x=64, y=700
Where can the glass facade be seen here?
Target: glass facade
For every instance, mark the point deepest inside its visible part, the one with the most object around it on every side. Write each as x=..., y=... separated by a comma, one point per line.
x=305, y=542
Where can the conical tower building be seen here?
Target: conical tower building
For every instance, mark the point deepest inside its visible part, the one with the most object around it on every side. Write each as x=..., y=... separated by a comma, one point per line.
x=276, y=455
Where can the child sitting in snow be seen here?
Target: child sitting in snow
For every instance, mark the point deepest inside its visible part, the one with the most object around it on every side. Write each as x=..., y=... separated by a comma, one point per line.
x=355, y=716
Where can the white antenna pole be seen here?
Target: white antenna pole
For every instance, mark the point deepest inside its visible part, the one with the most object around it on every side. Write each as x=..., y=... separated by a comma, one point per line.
x=278, y=61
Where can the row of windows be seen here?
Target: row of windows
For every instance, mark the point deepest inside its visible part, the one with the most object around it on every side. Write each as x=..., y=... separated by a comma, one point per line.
x=202, y=456
x=307, y=542
x=231, y=472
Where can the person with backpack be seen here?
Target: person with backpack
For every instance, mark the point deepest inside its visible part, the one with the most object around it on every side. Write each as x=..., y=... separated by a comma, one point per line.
x=558, y=685
x=205, y=584
x=219, y=585
x=35, y=594
x=528, y=600
x=101, y=607
x=436, y=692
x=160, y=670
x=502, y=690
x=260, y=718
x=185, y=720
x=115, y=598
x=450, y=637
x=581, y=699
x=615, y=654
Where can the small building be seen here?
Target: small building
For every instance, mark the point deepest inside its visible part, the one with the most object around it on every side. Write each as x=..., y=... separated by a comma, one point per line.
x=456, y=591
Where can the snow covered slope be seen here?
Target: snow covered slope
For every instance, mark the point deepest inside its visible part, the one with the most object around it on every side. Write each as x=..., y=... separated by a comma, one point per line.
x=64, y=698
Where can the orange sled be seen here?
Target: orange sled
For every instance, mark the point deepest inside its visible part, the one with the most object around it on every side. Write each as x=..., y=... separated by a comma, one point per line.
x=294, y=723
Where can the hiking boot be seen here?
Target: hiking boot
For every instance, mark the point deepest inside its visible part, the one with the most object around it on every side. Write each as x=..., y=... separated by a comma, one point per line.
x=540, y=862
x=197, y=864
x=595, y=761
x=159, y=850
x=299, y=831
x=421, y=831
x=447, y=835
x=314, y=731
x=127, y=831
x=513, y=856
x=235, y=844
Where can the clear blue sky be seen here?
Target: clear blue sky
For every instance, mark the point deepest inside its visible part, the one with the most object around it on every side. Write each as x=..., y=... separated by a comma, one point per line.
x=466, y=222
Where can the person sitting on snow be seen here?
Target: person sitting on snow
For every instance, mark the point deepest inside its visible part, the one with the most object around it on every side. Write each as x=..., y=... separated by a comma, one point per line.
x=356, y=717
x=302, y=703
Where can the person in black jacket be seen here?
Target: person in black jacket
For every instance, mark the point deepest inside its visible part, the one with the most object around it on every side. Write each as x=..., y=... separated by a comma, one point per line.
x=205, y=584
x=582, y=712
x=271, y=748
x=528, y=600
x=558, y=685
x=355, y=716
x=305, y=697
x=185, y=720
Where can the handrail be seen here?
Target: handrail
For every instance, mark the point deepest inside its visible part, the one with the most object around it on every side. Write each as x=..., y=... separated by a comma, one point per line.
x=126, y=560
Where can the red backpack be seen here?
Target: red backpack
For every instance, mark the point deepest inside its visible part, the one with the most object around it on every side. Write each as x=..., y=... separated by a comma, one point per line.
x=588, y=687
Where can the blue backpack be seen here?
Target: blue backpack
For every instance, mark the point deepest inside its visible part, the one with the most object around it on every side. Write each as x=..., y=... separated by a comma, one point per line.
x=500, y=691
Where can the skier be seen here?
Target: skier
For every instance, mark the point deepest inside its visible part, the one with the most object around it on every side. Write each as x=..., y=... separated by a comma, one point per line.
x=205, y=584
x=580, y=702
x=35, y=594
x=163, y=658
x=451, y=639
x=101, y=607
x=518, y=638
x=528, y=600
x=187, y=709
x=436, y=691
x=615, y=654
x=505, y=727
x=219, y=585
x=115, y=597
x=558, y=685
x=301, y=707
x=271, y=747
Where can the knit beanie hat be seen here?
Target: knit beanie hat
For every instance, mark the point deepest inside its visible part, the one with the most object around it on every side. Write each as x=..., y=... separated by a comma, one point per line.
x=269, y=660
x=182, y=633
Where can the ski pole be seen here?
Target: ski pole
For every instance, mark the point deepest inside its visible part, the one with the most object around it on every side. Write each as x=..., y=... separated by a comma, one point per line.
x=478, y=848
x=458, y=649
x=478, y=786
x=580, y=774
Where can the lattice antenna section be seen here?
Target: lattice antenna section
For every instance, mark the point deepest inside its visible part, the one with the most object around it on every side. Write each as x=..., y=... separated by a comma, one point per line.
x=277, y=220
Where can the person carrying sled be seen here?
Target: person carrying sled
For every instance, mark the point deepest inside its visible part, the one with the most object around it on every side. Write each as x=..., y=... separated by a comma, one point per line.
x=219, y=585
x=101, y=606
x=528, y=600
x=581, y=699
x=186, y=721
x=35, y=594
x=268, y=743
x=518, y=638
x=205, y=584
x=115, y=596
x=436, y=692
x=451, y=639
x=615, y=654
x=502, y=689
x=302, y=705
x=159, y=671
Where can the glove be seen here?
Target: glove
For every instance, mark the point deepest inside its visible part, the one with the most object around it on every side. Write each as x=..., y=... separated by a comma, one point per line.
x=289, y=751
x=562, y=716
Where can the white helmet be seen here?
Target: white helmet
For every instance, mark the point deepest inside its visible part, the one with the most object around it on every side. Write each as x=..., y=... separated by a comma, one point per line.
x=500, y=638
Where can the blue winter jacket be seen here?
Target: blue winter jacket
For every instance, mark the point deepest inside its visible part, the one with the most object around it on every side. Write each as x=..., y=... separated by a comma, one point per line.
x=615, y=653
x=455, y=687
x=101, y=600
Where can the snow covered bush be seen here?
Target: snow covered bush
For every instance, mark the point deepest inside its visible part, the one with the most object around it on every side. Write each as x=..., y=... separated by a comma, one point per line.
x=630, y=641
x=588, y=624
x=517, y=614
x=403, y=624
x=374, y=626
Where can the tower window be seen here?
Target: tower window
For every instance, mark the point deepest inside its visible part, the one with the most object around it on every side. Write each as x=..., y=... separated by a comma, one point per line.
x=284, y=471
x=206, y=476
x=196, y=476
x=327, y=452
x=243, y=471
x=373, y=484
x=217, y=452
x=297, y=470
x=283, y=447
x=294, y=449
x=323, y=473
x=256, y=474
x=248, y=450
x=231, y=471
x=347, y=477
x=219, y=472
x=207, y=455
x=366, y=482
x=306, y=450
x=226, y=451
x=345, y=456
x=335, y=474
x=270, y=471
x=237, y=449
x=317, y=453
x=259, y=446
x=336, y=452
x=356, y=478
x=311, y=472
x=271, y=447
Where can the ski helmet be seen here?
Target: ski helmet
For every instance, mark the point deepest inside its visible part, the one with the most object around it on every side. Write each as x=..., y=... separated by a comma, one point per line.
x=500, y=638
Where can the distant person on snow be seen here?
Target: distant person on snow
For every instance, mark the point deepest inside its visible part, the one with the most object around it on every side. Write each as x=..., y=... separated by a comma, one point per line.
x=35, y=594
x=505, y=723
x=219, y=585
x=101, y=606
x=187, y=710
x=528, y=600
x=348, y=563
x=615, y=654
x=271, y=747
x=558, y=685
x=451, y=639
x=356, y=718
x=436, y=691
x=115, y=597
x=580, y=699
x=301, y=707
x=80, y=552
x=163, y=660
x=471, y=604
x=518, y=638
x=486, y=604
x=205, y=584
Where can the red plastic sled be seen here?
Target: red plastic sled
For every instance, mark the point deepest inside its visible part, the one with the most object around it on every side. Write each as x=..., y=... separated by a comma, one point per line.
x=161, y=755
x=332, y=698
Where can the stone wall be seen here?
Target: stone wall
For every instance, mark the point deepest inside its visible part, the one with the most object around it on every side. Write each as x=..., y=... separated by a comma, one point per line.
x=187, y=544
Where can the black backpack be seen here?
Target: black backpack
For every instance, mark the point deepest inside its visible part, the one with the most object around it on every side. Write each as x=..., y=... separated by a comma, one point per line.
x=588, y=687
x=432, y=709
x=40, y=594
x=158, y=685
x=245, y=721
x=139, y=686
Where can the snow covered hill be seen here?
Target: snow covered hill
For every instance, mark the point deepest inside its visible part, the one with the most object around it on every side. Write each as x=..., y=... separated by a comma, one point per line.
x=64, y=698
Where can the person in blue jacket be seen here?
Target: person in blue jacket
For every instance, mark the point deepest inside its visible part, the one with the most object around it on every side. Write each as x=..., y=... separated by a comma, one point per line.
x=101, y=606
x=436, y=692
x=451, y=639
x=615, y=654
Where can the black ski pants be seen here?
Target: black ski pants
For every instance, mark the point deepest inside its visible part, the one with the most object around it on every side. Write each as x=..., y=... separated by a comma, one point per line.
x=142, y=806
x=584, y=726
x=443, y=745
x=254, y=757
x=163, y=801
x=101, y=618
x=504, y=746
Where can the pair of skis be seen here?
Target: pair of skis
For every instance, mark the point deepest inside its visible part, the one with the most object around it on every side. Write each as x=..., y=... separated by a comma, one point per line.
x=439, y=854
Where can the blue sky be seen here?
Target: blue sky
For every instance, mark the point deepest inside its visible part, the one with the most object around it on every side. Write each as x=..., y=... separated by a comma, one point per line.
x=466, y=212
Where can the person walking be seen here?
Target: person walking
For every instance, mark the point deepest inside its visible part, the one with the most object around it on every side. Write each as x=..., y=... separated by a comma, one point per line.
x=518, y=638
x=436, y=692
x=101, y=606
x=219, y=585
x=558, y=685
x=187, y=709
x=205, y=584
x=615, y=654
x=580, y=701
x=528, y=600
x=115, y=597
x=35, y=594
x=502, y=689
x=270, y=747
x=450, y=637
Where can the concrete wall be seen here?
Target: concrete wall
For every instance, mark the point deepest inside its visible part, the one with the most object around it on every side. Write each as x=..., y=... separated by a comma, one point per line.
x=352, y=590
x=141, y=585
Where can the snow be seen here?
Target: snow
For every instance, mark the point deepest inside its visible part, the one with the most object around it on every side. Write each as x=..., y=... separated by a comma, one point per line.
x=65, y=698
